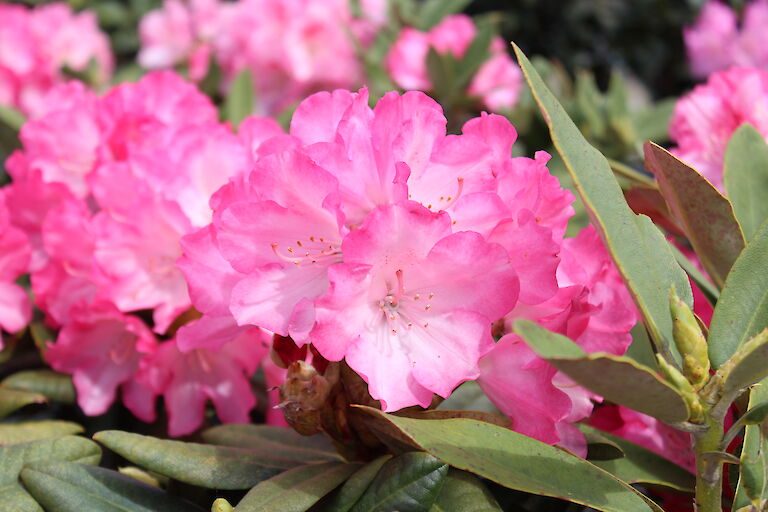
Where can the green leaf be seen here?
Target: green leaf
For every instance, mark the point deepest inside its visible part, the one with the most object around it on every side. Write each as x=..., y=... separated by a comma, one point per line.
x=641, y=466
x=57, y=387
x=297, y=489
x=441, y=69
x=213, y=467
x=355, y=486
x=410, y=482
x=705, y=215
x=641, y=349
x=469, y=397
x=742, y=310
x=745, y=177
x=709, y=290
x=433, y=11
x=599, y=447
x=26, y=431
x=283, y=442
x=753, y=470
x=11, y=117
x=638, y=248
x=70, y=487
x=747, y=367
x=464, y=492
x=618, y=379
x=12, y=400
x=239, y=102
x=652, y=123
x=519, y=462
x=754, y=416
x=14, y=457
x=477, y=53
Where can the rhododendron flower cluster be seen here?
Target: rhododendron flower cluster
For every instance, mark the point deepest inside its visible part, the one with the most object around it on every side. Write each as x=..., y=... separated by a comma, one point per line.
x=717, y=41
x=383, y=241
x=15, y=308
x=705, y=118
x=104, y=188
x=37, y=44
x=291, y=48
x=497, y=82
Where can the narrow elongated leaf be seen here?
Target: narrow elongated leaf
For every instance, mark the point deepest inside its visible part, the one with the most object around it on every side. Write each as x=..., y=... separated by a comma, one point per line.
x=519, y=462
x=742, y=310
x=433, y=11
x=642, y=466
x=638, y=248
x=464, y=492
x=239, y=102
x=13, y=458
x=284, y=442
x=70, y=487
x=356, y=485
x=754, y=416
x=12, y=400
x=214, y=467
x=745, y=177
x=297, y=489
x=410, y=482
x=476, y=54
x=703, y=212
x=753, y=470
x=746, y=368
x=53, y=385
x=26, y=431
x=616, y=378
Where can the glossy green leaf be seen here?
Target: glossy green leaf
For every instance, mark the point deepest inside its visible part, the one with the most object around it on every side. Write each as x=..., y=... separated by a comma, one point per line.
x=12, y=400
x=519, y=462
x=355, y=486
x=748, y=366
x=618, y=379
x=297, y=489
x=742, y=310
x=240, y=100
x=641, y=466
x=745, y=177
x=637, y=246
x=753, y=471
x=14, y=457
x=410, y=482
x=706, y=216
x=26, y=431
x=213, y=467
x=464, y=492
x=70, y=487
x=57, y=387
x=283, y=442
x=433, y=11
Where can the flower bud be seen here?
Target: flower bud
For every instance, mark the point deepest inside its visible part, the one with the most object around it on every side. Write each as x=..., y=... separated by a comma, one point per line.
x=690, y=341
x=303, y=396
x=221, y=505
x=684, y=387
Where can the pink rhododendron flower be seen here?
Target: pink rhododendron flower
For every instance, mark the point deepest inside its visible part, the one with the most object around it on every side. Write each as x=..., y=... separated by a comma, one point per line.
x=291, y=48
x=648, y=432
x=36, y=45
x=716, y=41
x=188, y=380
x=101, y=348
x=705, y=118
x=15, y=309
x=594, y=309
x=498, y=81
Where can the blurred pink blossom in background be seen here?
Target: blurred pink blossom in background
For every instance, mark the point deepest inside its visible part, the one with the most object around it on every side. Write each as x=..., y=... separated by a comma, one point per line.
x=36, y=44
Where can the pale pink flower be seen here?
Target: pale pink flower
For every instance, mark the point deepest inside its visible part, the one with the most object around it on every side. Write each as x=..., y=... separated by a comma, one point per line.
x=410, y=309
x=37, y=44
x=705, y=118
x=497, y=82
x=101, y=348
x=188, y=380
x=716, y=42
